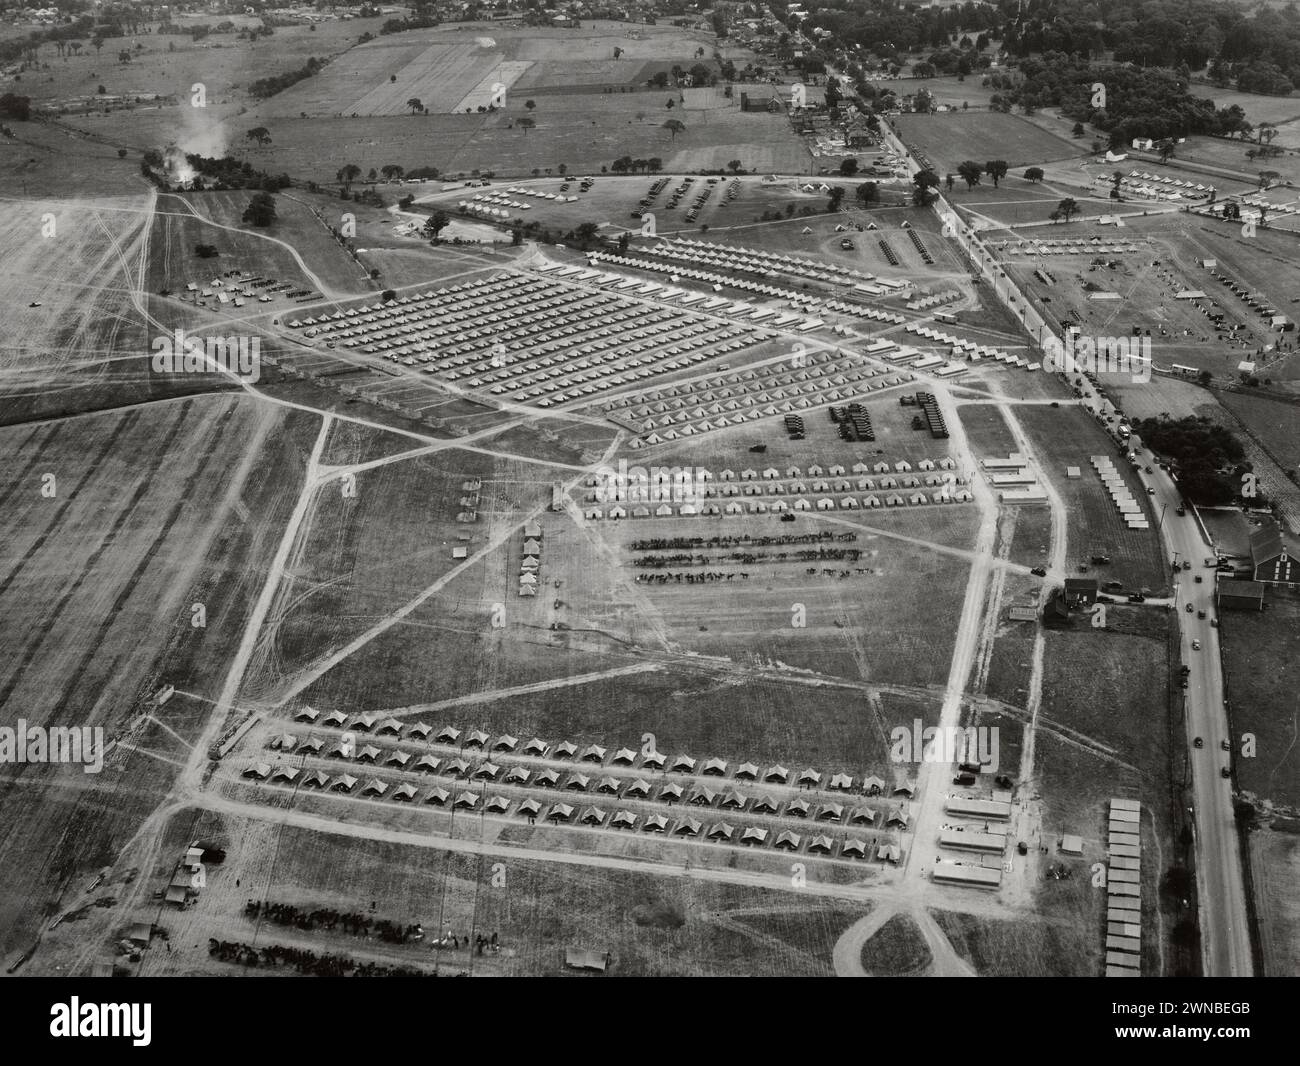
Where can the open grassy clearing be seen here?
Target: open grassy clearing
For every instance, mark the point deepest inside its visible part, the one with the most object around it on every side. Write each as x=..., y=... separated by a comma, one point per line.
x=100, y=582
x=949, y=139
x=1274, y=867
x=381, y=538
x=866, y=626
x=46, y=160
x=1276, y=426
x=652, y=926
x=896, y=950
x=1067, y=436
x=1261, y=664
x=987, y=430
x=1005, y=947
x=214, y=218
x=170, y=64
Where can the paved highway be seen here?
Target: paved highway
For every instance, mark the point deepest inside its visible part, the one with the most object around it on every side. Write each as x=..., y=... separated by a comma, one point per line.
x=1225, y=935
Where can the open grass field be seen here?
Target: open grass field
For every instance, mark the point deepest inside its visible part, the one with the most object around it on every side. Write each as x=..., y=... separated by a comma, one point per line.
x=896, y=950
x=1258, y=108
x=99, y=582
x=951, y=138
x=582, y=132
x=1226, y=159
x=986, y=430
x=1275, y=426
x=170, y=64
x=1067, y=436
x=364, y=556
x=1262, y=669
x=1002, y=947
x=185, y=221
x=1274, y=867
x=650, y=925
x=452, y=68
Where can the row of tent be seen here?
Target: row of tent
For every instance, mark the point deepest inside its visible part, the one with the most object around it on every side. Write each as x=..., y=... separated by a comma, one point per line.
x=733, y=508
x=685, y=826
x=518, y=336
x=718, y=282
x=380, y=725
x=1067, y=246
x=669, y=792
x=812, y=367
x=765, y=262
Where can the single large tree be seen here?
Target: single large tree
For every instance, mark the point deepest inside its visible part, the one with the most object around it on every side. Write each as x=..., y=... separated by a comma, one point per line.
x=391, y=171
x=435, y=224
x=260, y=210
x=525, y=124
x=997, y=170
x=969, y=171
x=414, y=104
x=675, y=126
x=925, y=187
x=1067, y=207
x=260, y=134
x=348, y=174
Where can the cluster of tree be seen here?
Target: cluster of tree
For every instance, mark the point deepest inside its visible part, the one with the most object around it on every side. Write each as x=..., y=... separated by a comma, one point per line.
x=625, y=164
x=1209, y=459
x=18, y=108
x=887, y=28
x=265, y=87
x=970, y=172
x=304, y=961
x=1139, y=103
x=422, y=21
x=226, y=172
x=328, y=918
x=1261, y=46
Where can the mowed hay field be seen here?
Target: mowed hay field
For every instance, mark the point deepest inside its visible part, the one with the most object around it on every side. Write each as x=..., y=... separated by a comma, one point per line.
x=951, y=138
x=451, y=69
x=1068, y=436
x=99, y=582
x=650, y=925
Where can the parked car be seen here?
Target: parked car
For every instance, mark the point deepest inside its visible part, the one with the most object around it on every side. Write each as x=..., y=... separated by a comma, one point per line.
x=1196, y=645
x=1039, y=571
x=1225, y=745
x=1225, y=772
x=1190, y=608
x=1198, y=743
x=1200, y=615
